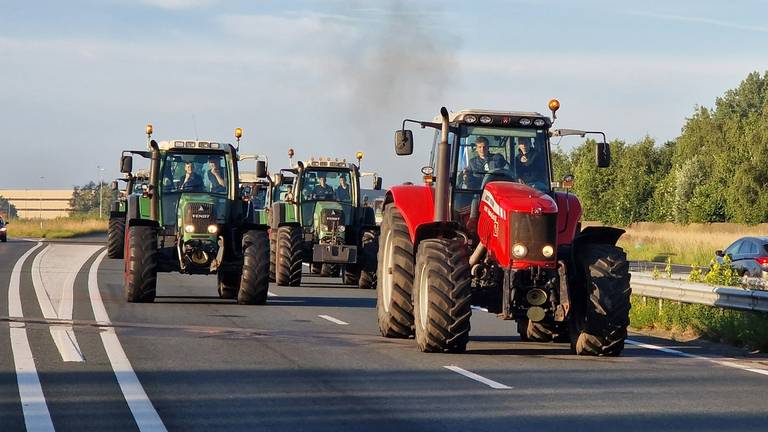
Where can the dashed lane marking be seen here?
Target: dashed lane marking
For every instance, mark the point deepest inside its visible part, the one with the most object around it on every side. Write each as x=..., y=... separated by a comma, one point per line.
x=333, y=320
x=141, y=407
x=33, y=405
x=471, y=375
x=728, y=362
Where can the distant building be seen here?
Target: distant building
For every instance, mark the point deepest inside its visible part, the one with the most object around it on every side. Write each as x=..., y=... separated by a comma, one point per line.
x=39, y=203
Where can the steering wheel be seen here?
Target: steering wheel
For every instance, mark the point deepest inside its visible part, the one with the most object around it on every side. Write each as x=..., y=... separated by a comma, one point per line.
x=497, y=174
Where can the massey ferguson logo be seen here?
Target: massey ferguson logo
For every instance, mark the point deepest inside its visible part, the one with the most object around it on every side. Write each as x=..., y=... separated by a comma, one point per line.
x=488, y=199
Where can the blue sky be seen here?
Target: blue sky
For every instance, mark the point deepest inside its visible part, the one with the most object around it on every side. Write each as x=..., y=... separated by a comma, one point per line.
x=80, y=79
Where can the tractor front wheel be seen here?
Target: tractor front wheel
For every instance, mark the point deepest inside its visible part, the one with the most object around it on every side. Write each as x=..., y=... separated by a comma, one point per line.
x=116, y=237
x=229, y=283
x=329, y=270
x=599, y=318
x=314, y=268
x=441, y=296
x=542, y=331
x=290, y=241
x=394, y=304
x=367, y=259
x=351, y=274
x=141, y=264
x=254, y=284
x=272, y=255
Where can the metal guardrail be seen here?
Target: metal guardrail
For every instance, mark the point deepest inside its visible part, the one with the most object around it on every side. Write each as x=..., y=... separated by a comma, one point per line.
x=689, y=292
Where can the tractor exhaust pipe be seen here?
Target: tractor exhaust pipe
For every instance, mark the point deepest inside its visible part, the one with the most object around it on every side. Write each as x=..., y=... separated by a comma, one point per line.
x=154, y=173
x=442, y=195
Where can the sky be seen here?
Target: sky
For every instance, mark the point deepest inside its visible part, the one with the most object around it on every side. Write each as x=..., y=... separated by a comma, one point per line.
x=80, y=79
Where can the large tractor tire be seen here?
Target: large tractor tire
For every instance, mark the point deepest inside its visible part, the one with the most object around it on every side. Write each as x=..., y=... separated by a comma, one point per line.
x=330, y=270
x=254, y=284
x=141, y=264
x=315, y=268
x=442, y=295
x=272, y=255
x=290, y=241
x=367, y=259
x=394, y=303
x=350, y=274
x=599, y=319
x=542, y=331
x=116, y=238
x=229, y=283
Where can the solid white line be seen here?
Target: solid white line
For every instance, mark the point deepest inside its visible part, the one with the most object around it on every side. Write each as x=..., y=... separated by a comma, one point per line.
x=478, y=308
x=141, y=407
x=728, y=362
x=490, y=383
x=333, y=320
x=35, y=410
x=271, y=294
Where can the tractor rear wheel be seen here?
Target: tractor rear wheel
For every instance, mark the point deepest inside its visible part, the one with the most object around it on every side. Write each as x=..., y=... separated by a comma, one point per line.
x=350, y=274
x=229, y=283
x=600, y=317
x=116, y=237
x=367, y=259
x=141, y=264
x=254, y=283
x=290, y=242
x=394, y=304
x=329, y=270
x=272, y=255
x=441, y=296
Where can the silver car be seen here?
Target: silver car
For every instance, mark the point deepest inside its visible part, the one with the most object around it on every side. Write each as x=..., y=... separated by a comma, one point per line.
x=749, y=256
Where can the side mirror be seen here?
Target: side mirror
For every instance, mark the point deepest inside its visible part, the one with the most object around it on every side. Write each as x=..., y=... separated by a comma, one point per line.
x=126, y=164
x=403, y=142
x=261, y=169
x=377, y=184
x=719, y=253
x=113, y=185
x=568, y=181
x=603, y=155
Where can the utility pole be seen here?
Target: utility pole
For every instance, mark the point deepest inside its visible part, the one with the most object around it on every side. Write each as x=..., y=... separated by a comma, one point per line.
x=40, y=202
x=101, y=182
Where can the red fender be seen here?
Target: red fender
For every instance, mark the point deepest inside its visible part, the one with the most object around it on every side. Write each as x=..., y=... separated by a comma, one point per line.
x=568, y=217
x=416, y=203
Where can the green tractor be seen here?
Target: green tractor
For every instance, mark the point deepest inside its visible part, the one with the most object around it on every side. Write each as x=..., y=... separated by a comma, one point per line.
x=192, y=219
x=324, y=223
x=281, y=188
x=134, y=184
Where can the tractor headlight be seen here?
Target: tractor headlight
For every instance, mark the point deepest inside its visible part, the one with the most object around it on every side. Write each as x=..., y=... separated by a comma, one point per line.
x=189, y=228
x=342, y=228
x=519, y=251
x=213, y=229
x=547, y=251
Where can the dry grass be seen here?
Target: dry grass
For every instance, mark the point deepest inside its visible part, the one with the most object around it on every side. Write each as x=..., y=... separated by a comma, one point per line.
x=683, y=244
x=56, y=228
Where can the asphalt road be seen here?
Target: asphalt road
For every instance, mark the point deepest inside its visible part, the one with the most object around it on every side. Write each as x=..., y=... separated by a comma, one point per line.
x=312, y=360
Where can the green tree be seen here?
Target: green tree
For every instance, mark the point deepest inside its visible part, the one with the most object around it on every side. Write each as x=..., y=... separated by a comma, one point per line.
x=8, y=209
x=85, y=199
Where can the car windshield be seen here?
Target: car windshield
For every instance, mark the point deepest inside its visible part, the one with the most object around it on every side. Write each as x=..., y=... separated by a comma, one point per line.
x=206, y=173
x=326, y=185
x=490, y=154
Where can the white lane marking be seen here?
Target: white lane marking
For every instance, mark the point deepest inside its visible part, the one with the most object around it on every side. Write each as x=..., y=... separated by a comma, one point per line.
x=36, y=414
x=478, y=308
x=728, y=362
x=141, y=407
x=333, y=320
x=54, y=271
x=471, y=375
x=271, y=294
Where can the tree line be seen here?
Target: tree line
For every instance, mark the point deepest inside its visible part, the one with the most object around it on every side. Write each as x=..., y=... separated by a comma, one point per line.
x=715, y=171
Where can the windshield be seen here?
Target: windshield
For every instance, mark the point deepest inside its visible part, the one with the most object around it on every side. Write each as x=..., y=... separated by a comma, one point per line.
x=206, y=173
x=492, y=154
x=324, y=185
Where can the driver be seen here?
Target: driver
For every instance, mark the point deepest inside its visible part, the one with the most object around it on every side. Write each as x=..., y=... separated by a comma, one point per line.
x=525, y=157
x=192, y=180
x=214, y=177
x=481, y=164
x=322, y=190
x=343, y=191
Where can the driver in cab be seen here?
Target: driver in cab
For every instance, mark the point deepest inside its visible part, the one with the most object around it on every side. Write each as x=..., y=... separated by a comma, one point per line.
x=484, y=162
x=322, y=190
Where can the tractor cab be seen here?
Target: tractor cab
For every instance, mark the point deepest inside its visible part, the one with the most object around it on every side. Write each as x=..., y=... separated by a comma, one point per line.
x=328, y=191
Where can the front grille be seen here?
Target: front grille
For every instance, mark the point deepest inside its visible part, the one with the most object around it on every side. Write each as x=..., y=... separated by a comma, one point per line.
x=199, y=215
x=534, y=231
x=331, y=218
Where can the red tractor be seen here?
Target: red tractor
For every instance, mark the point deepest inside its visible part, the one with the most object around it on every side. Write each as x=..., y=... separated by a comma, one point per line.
x=487, y=230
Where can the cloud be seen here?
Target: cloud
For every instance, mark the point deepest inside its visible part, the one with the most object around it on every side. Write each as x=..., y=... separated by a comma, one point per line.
x=702, y=20
x=179, y=4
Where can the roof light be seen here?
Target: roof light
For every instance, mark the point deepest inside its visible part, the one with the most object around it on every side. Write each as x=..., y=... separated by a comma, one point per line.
x=204, y=144
x=149, y=129
x=215, y=145
x=238, y=133
x=470, y=118
x=178, y=143
x=538, y=122
x=525, y=121
x=189, y=144
x=554, y=104
x=485, y=119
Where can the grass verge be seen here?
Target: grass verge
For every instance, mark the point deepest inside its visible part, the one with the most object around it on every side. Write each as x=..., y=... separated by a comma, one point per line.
x=56, y=228
x=740, y=328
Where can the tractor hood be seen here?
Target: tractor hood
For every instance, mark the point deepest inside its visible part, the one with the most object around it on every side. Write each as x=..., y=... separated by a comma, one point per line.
x=513, y=214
